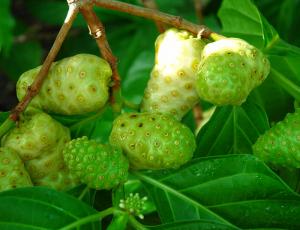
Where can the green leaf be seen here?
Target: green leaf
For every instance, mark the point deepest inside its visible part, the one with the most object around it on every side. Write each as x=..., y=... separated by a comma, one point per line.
x=285, y=70
x=41, y=208
x=242, y=19
x=233, y=190
x=3, y=116
x=192, y=225
x=7, y=23
x=23, y=56
x=284, y=17
x=232, y=130
x=277, y=105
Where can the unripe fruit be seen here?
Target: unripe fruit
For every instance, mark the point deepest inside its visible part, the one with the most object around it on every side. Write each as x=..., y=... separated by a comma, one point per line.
x=229, y=69
x=74, y=85
x=171, y=88
x=59, y=180
x=35, y=135
x=153, y=140
x=280, y=145
x=12, y=171
x=97, y=165
x=39, y=140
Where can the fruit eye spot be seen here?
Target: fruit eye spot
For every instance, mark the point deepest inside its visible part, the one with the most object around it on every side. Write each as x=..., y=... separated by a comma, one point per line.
x=122, y=125
x=152, y=119
x=140, y=125
x=181, y=73
x=2, y=173
x=82, y=74
x=133, y=116
x=132, y=146
x=228, y=53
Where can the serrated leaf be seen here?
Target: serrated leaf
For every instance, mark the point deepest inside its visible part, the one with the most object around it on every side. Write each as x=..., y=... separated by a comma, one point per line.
x=232, y=130
x=234, y=190
x=41, y=208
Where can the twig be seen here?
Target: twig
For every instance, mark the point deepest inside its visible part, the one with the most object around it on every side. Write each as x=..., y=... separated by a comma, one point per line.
x=155, y=15
x=151, y=4
x=198, y=116
x=97, y=30
x=37, y=84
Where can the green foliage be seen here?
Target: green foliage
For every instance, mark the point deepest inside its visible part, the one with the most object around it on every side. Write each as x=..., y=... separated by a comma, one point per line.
x=224, y=186
x=233, y=189
x=41, y=208
x=7, y=23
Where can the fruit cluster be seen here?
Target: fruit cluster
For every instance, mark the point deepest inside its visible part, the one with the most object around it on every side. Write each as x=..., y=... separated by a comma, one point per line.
x=186, y=69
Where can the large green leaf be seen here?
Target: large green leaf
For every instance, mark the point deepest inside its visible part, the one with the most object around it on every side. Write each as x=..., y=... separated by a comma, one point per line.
x=232, y=130
x=192, y=225
x=234, y=190
x=284, y=17
x=242, y=19
x=41, y=208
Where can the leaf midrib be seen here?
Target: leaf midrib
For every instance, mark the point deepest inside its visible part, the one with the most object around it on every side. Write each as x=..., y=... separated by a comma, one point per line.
x=180, y=195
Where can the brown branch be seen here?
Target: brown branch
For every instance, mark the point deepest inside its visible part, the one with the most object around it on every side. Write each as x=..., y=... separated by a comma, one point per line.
x=198, y=116
x=155, y=15
x=97, y=30
x=37, y=84
x=151, y=4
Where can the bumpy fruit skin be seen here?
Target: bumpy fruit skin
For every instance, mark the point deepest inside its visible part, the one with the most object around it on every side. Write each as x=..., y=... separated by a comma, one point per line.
x=36, y=135
x=39, y=141
x=74, y=85
x=12, y=171
x=171, y=88
x=97, y=165
x=59, y=180
x=153, y=140
x=280, y=145
x=229, y=70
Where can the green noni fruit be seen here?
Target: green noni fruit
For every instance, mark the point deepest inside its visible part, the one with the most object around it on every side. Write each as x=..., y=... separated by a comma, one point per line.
x=171, y=88
x=12, y=171
x=74, y=85
x=39, y=141
x=228, y=71
x=62, y=179
x=97, y=165
x=36, y=135
x=153, y=140
x=280, y=145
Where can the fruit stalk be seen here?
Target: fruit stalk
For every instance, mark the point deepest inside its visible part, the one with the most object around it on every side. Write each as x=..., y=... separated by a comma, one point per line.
x=154, y=15
x=97, y=30
x=35, y=87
